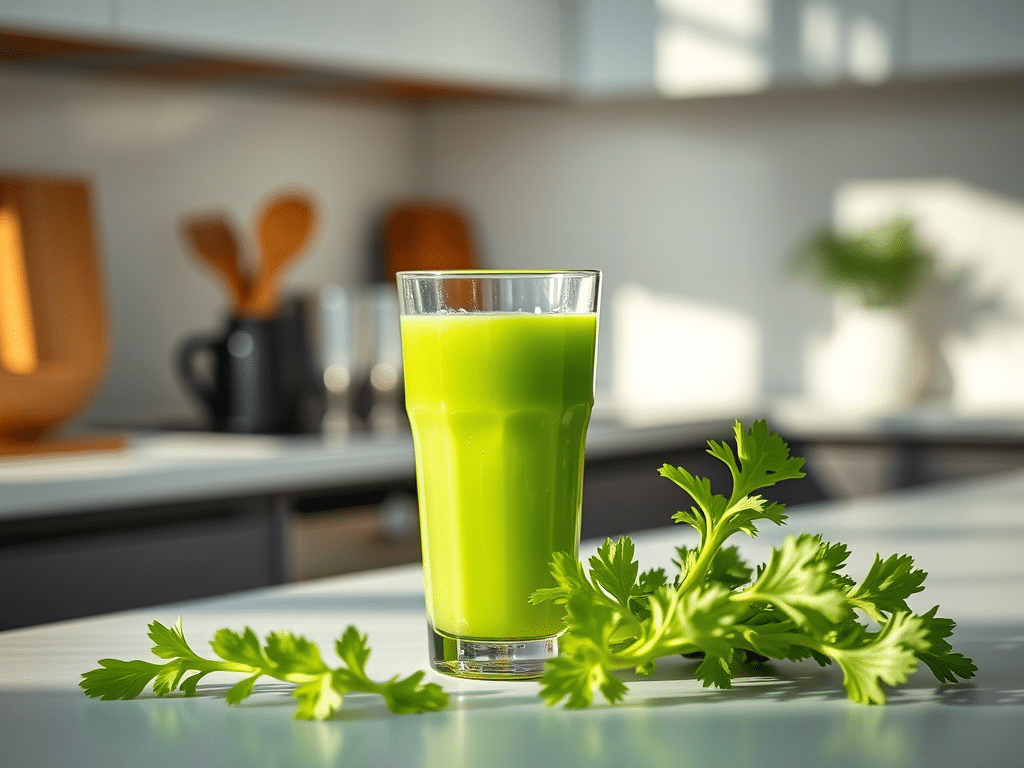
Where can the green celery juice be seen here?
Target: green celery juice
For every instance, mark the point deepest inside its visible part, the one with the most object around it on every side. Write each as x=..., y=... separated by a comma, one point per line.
x=499, y=405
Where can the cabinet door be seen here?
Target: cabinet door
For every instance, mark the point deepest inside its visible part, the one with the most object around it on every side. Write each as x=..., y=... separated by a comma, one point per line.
x=821, y=42
x=953, y=36
x=128, y=565
x=679, y=48
x=514, y=43
x=89, y=17
x=347, y=33
x=491, y=42
x=615, y=47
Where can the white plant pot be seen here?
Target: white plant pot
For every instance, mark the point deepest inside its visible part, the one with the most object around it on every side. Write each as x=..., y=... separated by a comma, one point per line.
x=873, y=362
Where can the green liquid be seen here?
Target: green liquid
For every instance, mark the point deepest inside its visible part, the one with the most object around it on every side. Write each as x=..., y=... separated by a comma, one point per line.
x=499, y=406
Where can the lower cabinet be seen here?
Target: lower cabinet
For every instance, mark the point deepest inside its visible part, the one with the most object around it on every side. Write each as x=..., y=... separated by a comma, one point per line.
x=341, y=539
x=66, y=567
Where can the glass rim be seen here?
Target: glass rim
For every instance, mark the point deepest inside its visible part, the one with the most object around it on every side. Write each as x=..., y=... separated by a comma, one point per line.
x=496, y=273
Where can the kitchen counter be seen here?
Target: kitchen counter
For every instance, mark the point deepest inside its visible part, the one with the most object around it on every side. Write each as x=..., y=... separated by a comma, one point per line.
x=967, y=536
x=856, y=454
x=183, y=515
x=162, y=468
x=165, y=467
x=935, y=422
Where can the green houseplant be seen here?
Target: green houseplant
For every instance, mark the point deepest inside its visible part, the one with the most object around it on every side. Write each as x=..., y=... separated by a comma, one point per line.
x=882, y=267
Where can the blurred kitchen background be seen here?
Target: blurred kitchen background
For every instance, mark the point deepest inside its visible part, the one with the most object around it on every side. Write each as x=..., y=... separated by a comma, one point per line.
x=686, y=148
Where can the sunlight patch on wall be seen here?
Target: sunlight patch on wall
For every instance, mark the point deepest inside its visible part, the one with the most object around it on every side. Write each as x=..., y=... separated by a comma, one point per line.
x=838, y=42
x=870, y=54
x=742, y=18
x=820, y=40
x=975, y=305
x=706, y=47
x=675, y=359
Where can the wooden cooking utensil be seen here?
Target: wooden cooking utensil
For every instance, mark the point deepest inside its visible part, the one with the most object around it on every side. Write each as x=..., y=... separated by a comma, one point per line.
x=423, y=234
x=214, y=242
x=282, y=229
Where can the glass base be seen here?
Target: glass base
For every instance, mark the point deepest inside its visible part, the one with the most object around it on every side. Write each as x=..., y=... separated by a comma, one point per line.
x=490, y=659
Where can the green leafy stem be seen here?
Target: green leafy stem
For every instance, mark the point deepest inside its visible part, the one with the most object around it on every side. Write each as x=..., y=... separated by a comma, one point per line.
x=319, y=689
x=797, y=605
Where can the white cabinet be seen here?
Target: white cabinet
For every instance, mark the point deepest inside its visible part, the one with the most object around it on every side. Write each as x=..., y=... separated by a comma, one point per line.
x=834, y=41
x=679, y=48
x=954, y=36
x=518, y=43
x=70, y=17
x=306, y=32
x=592, y=48
x=502, y=43
x=515, y=45
x=615, y=47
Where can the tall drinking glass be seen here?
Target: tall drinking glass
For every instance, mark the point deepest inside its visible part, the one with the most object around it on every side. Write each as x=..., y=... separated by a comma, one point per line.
x=499, y=386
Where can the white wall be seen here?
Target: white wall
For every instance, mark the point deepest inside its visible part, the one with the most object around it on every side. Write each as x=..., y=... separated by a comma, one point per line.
x=155, y=153
x=701, y=201
x=695, y=202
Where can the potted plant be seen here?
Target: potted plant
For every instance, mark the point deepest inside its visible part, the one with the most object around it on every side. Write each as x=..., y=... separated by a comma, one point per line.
x=876, y=359
x=883, y=267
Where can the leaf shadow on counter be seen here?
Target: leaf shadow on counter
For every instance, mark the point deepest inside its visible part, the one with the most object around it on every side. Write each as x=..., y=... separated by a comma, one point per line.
x=276, y=695
x=999, y=681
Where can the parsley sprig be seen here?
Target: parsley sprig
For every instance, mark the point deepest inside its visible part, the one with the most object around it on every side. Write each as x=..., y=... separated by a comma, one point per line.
x=319, y=689
x=797, y=605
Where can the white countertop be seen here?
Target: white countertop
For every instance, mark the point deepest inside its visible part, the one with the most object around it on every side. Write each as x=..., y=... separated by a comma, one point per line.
x=168, y=467
x=795, y=416
x=968, y=537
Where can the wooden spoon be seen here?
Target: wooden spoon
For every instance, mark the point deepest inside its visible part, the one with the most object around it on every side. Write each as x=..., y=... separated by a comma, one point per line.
x=282, y=229
x=213, y=241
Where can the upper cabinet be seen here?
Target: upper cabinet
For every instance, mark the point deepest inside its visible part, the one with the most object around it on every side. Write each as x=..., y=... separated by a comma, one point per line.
x=678, y=48
x=518, y=42
x=586, y=48
x=58, y=16
x=954, y=37
x=396, y=47
x=514, y=44
x=341, y=34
